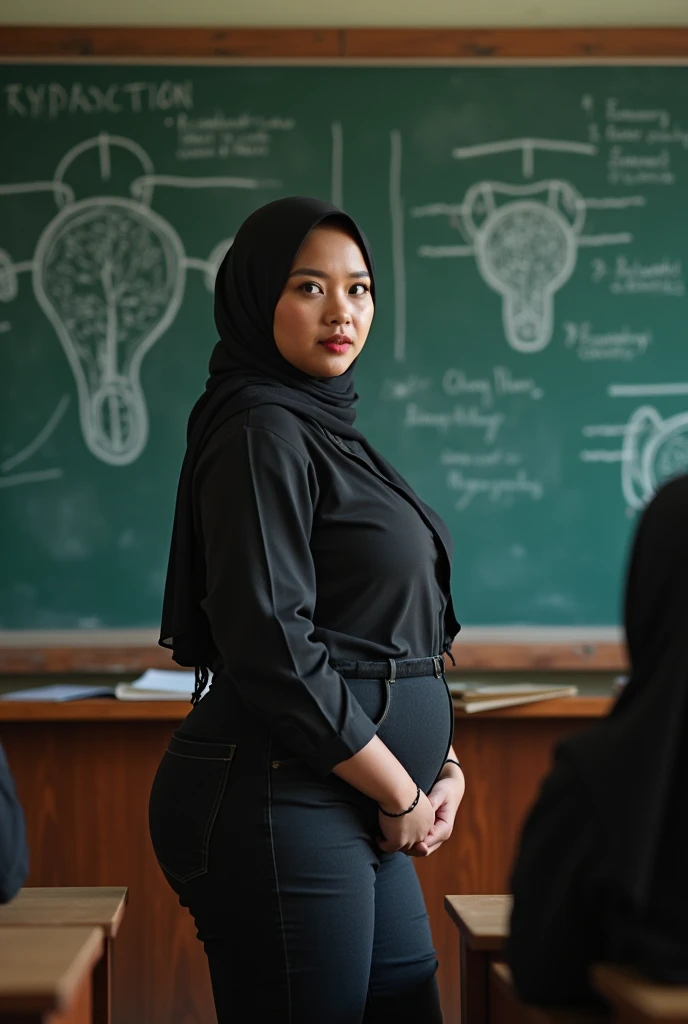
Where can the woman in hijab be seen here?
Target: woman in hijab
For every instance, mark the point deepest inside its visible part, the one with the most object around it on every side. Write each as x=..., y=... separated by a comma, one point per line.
x=313, y=583
x=601, y=871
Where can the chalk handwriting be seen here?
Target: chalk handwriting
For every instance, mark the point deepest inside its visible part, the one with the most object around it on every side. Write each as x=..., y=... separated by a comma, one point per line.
x=460, y=416
x=219, y=136
x=400, y=390
x=502, y=384
x=51, y=99
x=623, y=345
x=502, y=490
x=633, y=277
x=496, y=457
x=617, y=114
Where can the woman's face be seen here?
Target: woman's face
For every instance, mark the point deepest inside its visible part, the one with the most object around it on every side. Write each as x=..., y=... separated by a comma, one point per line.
x=324, y=313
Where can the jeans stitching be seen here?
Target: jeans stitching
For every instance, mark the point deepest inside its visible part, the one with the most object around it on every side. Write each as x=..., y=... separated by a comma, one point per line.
x=388, y=702
x=205, y=851
x=198, y=757
x=279, y=898
x=213, y=815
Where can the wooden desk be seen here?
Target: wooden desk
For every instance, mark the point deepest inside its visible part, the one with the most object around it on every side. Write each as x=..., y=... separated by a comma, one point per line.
x=96, y=906
x=635, y=1000
x=46, y=974
x=488, y=995
x=483, y=923
x=506, y=1007
x=84, y=770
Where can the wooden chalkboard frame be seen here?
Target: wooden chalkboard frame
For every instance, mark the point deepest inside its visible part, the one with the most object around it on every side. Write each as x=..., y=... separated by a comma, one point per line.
x=607, y=44
x=529, y=650
x=481, y=650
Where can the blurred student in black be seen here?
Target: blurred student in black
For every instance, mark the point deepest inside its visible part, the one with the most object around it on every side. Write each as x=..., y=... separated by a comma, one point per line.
x=601, y=871
x=14, y=857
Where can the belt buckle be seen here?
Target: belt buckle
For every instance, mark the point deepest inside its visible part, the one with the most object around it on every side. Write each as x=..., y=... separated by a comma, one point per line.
x=438, y=662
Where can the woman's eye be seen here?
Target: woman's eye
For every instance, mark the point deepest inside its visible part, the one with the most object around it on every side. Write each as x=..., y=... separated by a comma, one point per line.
x=362, y=289
x=310, y=288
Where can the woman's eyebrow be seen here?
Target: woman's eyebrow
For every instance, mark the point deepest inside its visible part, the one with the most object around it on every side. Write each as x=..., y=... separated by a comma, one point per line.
x=310, y=272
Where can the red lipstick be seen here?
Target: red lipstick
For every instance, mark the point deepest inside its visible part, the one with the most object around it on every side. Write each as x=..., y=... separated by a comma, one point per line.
x=337, y=343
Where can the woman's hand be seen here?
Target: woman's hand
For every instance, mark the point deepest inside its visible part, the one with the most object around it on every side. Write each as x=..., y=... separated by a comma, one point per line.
x=445, y=798
x=408, y=830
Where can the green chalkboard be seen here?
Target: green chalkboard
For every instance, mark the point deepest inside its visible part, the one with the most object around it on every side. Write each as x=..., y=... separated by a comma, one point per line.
x=527, y=370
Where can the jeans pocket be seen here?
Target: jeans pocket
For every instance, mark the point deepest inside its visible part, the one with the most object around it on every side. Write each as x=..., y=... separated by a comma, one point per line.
x=185, y=797
x=387, y=704
x=374, y=696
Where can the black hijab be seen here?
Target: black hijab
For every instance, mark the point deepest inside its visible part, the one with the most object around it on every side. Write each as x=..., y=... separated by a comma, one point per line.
x=247, y=370
x=635, y=761
x=246, y=365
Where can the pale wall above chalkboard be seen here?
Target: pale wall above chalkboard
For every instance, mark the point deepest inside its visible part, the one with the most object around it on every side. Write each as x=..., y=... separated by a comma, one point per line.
x=526, y=370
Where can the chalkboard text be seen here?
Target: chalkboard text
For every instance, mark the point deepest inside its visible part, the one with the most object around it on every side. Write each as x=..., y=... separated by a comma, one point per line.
x=496, y=490
x=457, y=382
x=616, y=113
x=622, y=345
x=51, y=99
x=461, y=417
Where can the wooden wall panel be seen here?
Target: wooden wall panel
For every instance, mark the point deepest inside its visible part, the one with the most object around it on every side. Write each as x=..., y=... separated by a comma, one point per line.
x=84, y=787
x=469, y=656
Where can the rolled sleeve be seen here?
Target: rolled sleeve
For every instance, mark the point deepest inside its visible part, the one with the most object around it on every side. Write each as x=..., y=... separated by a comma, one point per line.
x=255, y=498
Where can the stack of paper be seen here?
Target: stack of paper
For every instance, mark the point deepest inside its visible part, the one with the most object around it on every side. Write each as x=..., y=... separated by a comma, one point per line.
x=489, y=697
x=158, y=684
x=59, y=692
x=155, y=684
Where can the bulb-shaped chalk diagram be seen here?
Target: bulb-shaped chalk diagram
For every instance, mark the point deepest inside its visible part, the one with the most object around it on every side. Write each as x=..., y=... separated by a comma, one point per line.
x=526, y=249
x=109, y=275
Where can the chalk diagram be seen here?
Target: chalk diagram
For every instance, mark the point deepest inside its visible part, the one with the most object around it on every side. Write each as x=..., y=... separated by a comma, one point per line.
x=652, y=448
x=109, y=273
x=9, y=477
x=524, y=237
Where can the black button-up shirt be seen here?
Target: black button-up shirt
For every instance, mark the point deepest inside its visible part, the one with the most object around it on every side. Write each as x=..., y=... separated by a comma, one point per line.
x=312, y=557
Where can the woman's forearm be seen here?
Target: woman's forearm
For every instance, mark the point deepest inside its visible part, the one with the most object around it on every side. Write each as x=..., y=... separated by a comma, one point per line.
x=375, y=771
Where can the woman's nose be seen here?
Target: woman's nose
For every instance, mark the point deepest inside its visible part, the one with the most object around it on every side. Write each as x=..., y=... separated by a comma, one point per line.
x=339, y=312
x=340, y=318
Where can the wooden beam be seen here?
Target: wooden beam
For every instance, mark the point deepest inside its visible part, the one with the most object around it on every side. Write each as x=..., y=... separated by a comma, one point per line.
x=61, y=660
x=83, y=41
x=51, y=659
x=64, y=41
x=518, y=43
x=540, y=657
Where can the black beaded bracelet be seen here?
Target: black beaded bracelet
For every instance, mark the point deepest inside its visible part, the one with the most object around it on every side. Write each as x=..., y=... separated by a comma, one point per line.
x=450, y=760
x=408, y=810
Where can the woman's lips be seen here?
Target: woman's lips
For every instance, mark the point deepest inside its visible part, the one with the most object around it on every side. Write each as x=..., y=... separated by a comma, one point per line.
x=337, y=343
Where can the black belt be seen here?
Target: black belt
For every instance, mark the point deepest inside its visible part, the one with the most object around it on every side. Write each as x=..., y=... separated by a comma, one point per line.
x=406, y=668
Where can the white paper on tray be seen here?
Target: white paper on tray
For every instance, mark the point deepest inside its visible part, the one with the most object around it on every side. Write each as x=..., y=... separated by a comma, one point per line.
x=163, y=679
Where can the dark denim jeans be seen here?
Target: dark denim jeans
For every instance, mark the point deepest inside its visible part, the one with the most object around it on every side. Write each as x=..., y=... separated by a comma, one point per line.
x=303, y=919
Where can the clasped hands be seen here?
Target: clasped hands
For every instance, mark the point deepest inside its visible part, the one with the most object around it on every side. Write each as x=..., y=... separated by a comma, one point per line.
x=430, y=824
